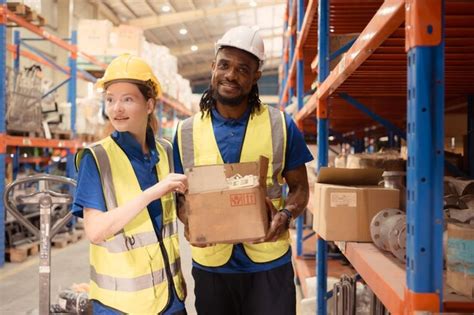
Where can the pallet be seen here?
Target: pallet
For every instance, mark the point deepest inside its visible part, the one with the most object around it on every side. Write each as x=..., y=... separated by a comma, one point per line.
x=87, y=137
x=24, y=133
x=60, y=134
x=63, y=239
x=22, y=252
x=27, y=13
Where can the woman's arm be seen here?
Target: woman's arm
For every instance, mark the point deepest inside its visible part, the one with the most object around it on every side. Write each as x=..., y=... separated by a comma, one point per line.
x=101, y=225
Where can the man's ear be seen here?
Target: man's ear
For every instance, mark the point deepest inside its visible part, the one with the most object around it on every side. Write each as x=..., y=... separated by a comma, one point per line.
x=258, y=74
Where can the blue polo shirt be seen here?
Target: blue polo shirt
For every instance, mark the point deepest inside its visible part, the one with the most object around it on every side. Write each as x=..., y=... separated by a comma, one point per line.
x=229, y=135
x=89, y=193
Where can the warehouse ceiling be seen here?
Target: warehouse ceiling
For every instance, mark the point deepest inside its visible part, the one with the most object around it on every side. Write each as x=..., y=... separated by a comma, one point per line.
x=191, y=27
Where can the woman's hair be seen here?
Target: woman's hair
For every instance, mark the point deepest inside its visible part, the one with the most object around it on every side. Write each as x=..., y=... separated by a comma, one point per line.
x=147, y=91
x=208, y=101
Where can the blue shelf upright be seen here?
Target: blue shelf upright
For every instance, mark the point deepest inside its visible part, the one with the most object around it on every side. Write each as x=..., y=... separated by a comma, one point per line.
x=425, y=163
x=322, y=142
x=3, y=52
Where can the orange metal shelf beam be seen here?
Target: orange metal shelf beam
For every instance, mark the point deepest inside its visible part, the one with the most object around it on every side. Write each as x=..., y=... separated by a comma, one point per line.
x=388, y=18
x=387, y=278
x=46, y=35
x=38, y=59
x=16, y=141
x=311, y=10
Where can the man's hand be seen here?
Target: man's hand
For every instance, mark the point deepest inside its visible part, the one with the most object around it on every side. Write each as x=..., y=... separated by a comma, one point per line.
x=278, y=224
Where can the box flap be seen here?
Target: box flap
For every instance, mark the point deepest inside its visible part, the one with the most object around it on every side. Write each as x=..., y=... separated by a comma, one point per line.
x=349, y=176
x=206, y=178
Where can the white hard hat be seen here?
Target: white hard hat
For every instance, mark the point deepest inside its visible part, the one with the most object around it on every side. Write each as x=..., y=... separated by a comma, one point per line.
x=245, y=38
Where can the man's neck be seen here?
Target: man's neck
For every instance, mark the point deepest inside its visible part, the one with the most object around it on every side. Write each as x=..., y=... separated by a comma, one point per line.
x=231, y=112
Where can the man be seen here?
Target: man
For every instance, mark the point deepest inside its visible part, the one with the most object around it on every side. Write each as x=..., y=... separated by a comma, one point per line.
x=234, y=126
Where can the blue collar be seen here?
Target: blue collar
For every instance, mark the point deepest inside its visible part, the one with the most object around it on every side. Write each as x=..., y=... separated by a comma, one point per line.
x=133, y=149
x=218, y=120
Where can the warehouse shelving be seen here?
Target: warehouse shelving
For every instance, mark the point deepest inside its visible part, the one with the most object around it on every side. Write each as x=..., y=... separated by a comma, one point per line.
x=71, y=71
x=410, y=59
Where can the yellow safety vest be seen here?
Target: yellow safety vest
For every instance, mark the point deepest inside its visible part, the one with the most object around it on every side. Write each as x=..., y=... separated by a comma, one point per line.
x=265, y=135
x=131, y=270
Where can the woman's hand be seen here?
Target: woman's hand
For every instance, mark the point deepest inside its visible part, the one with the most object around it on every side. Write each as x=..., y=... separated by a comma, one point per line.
x=172, y=183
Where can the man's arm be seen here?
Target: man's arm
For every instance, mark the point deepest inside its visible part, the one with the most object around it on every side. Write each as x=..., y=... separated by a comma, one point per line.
x=298, y=195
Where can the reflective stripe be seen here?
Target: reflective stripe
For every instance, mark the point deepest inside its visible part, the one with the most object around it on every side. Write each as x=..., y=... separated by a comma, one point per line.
x=106, y=176
x=187, y=143
x=169, y=152
x=133, y=284
x=170, y=229
x=122, y=243
x=277, y=125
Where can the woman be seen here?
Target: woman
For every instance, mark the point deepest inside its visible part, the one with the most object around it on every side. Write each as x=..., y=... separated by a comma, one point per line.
x=125, y=194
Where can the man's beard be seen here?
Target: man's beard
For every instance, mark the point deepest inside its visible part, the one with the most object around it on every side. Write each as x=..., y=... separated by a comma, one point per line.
x=228, y=101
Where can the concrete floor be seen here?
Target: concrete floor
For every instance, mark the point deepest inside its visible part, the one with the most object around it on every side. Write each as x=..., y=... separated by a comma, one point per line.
x=19, y=281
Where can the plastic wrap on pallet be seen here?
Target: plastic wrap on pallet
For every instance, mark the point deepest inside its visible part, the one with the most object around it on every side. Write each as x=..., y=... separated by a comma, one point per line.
x=125, y=39
x=93, y=36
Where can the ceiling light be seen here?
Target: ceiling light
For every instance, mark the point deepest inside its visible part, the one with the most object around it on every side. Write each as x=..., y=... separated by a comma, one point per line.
x=183, y=31
x=253, y=4
x=166, y=8
x=194, y=48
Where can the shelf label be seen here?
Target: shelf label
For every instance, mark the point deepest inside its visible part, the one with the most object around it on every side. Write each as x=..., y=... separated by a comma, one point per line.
x=343, y=199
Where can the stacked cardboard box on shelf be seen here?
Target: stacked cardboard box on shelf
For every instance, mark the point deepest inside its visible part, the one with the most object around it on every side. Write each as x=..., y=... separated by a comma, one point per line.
x=346, y=200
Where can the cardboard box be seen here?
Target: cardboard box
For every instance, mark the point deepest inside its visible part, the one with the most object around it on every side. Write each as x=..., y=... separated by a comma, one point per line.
x=217, y=214
x=346, y=200
x=93, y=36
x=388, y=161
x=125, y=39
x=460, y=258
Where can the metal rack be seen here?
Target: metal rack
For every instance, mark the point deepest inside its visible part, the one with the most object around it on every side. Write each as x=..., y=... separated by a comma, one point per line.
x=71, y=70
x=410, y=62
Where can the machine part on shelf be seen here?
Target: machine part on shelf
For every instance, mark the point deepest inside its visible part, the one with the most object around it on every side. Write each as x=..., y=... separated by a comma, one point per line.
x=449, y=188
x=463, y=216
x=468, y=201
x=344, y=296
x=376, y=306
x=46, y=198
x=388, y=231
x=461, y=186
x=451, y=201
x=396, y=180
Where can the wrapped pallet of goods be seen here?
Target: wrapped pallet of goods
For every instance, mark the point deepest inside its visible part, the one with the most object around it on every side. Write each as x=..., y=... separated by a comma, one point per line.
x=125, y=39
x=93, y=36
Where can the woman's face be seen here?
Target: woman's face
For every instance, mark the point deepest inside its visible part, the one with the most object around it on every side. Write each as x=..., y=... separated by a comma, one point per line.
x=127, y=108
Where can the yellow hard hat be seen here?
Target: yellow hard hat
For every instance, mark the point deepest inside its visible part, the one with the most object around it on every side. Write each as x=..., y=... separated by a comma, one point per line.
x=130, y=68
